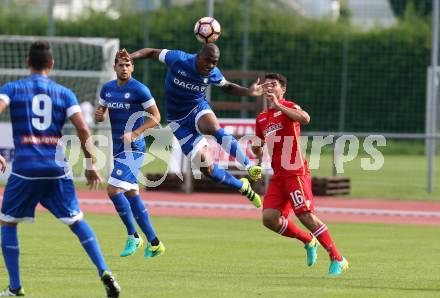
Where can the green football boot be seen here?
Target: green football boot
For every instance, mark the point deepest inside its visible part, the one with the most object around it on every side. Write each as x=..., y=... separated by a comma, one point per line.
x=154, y=251
x=248, y=192
x=254, y=172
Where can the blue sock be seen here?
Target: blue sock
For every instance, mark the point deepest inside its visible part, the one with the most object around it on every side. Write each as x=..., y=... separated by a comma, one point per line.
x=11, y=253
x=142, y=217
x=221, y=175
x=123, y=207
x=230, y=145
x=88, y=240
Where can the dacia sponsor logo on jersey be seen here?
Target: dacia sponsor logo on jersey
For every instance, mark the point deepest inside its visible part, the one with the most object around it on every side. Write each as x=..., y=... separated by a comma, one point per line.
x=118, y=105
x=189, y=86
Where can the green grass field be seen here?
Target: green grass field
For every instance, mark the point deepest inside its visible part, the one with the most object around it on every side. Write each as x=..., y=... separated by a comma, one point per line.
x=230, y=258
x=403, y=177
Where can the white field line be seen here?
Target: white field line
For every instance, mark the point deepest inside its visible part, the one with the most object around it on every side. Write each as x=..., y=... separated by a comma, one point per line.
x=221, y=206
x=195, y=205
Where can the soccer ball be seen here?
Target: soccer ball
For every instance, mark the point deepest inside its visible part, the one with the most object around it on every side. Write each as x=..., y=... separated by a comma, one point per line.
x=207, y=30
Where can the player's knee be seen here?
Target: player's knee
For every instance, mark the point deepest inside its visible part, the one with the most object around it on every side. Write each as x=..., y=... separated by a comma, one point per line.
x=131, y=193
x=211, y=130
x=207, y=170
x=308, y=220
x=7, y=224
x=112, y=191
x=271, y=222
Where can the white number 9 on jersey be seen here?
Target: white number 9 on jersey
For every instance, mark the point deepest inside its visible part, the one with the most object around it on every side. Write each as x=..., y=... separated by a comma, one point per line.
x=42, y=107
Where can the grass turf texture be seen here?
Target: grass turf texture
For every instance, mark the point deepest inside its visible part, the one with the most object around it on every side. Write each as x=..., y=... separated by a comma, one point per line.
x=230, y=258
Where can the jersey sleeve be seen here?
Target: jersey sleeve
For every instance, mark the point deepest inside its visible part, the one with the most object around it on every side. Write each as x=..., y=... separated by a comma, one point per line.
x=72, y=106
x=169, y=57
x=145, y=97
x=6, y=92
x=101, y=100
x=217, y=78
x=292, y=105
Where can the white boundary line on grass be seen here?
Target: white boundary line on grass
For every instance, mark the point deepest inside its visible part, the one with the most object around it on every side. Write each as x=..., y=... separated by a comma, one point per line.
x=195, y=205
x=222, y=206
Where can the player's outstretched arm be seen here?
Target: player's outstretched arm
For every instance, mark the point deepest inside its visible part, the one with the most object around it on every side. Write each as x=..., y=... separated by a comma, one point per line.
x=256, y=89
x=146, y=53
x=2, y=164
x=82, y=129
x=152, y=121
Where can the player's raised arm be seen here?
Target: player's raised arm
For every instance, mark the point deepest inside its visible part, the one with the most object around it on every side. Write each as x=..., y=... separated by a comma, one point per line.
x=256, y=89
x=146, y=53
x=295, y=114
x=82, y=129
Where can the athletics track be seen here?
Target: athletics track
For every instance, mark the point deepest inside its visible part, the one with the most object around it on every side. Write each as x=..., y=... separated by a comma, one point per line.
x=235, y=206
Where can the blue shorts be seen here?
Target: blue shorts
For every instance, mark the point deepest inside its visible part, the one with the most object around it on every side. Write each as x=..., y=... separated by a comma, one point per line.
x=191, y=140
x=127, y=166
x=56, y=195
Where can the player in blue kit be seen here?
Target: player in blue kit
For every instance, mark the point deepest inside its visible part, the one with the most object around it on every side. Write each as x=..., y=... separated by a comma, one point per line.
x=127, y=100
x=39, y=108
x=190, y=116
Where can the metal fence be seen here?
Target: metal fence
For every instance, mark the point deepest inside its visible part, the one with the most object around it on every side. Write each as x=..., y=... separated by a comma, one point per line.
x=357, y=67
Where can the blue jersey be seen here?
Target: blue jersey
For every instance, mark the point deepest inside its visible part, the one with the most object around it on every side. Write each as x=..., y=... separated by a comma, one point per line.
x=39, y=108
x=123, y=102
x=185, y=87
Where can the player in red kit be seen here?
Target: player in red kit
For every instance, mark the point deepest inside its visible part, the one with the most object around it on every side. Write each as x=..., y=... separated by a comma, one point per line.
x=290, y=188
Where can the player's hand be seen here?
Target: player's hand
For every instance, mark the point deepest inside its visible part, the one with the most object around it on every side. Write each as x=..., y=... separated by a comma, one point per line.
x=99, y=114
x=257, y=89
x=130, y=137
x=272, y=99
x=2, y=164
x=123, y=54
x=94, y=180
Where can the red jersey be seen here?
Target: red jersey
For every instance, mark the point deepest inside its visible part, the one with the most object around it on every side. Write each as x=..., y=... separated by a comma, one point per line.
x=281, y=135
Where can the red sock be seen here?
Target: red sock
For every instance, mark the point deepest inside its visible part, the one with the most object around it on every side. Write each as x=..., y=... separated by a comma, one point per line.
x=289, y=229
x=323, y=236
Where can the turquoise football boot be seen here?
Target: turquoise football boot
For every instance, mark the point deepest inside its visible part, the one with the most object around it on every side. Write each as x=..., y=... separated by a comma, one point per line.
x=131, y=245
x=312, y=251
x=337, y=267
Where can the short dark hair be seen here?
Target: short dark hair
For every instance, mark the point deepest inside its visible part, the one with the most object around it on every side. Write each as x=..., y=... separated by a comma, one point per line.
x=276, y=76
x=40, y=54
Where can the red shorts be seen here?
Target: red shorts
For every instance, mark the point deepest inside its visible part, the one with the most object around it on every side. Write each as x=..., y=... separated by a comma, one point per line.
x=290, y=193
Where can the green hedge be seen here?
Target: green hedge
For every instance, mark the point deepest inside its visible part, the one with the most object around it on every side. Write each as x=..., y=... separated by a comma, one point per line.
x=386, y=68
